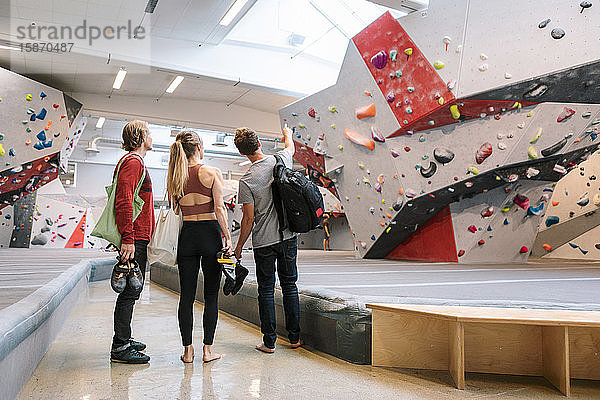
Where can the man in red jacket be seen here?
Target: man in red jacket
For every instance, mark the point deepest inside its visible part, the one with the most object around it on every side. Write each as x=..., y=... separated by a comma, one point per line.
x=135, y=236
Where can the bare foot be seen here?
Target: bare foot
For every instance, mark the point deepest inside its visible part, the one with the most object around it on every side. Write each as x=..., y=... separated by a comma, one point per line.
x=188, y=354
x=264, y=349
x=208, y=354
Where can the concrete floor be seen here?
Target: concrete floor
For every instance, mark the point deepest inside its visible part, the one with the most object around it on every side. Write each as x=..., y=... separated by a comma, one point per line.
x=77, y=365
x=541, y=283
x=23, y=271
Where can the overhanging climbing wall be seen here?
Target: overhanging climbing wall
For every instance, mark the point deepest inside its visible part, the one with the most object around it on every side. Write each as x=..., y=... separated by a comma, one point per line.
x=434, y=162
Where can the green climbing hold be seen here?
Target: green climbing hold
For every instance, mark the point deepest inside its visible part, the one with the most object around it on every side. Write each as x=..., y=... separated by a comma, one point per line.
x=28, y=130
x=398, y=74
x=331, y=109
x=393, y=54
x=410, y=89
x=421, y=139
x=438, y=65
x=532, y=153
x=537, y=136
x=455, y=111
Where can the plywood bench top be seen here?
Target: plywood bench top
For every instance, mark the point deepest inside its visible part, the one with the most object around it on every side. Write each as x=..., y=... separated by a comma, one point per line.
x=519, y=316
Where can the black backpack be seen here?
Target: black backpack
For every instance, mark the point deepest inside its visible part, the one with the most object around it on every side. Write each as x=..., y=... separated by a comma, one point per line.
x=297, y=200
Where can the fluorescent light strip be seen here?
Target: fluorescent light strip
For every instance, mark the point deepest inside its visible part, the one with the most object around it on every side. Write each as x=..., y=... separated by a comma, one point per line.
x=3, y=47
x=233, y=11
x=100, y=122
x=119, y=79
x=174, y=84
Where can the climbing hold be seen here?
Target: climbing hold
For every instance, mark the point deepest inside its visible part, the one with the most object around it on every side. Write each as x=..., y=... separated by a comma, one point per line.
x=379, y=60
x=461, y=253
x=393, y=54
x=410, y=89
x=481, y=242
x=43, y=95
x=507, y=75
x=472, y=228
x=505, y=209
x=583, y=200
x=443, y=155
x=501, y=146
x=301, y=125
x=380, y=178
x=408, y=110
x=544, y=23
x=331, y=109
x=532, y=153
x=547, y=247
x=521, y=200
x=372, y=210
x=377, y=136
x=485, y=150
x=42, y=114
x=11, y=152
x=372, y=237
x=487, y=212
x=39, y=146
x=560, y=169
x=406, y=149
x=394, y=153
x=28, y=142
x=441, y=101
x=358, y=139
x=431, y=122
x=377, y=187
x=439, y=64
x=312, y=113
x=584, y=5
x=446, y=40
x=537, y=136
x=551, y=220
x=521, y=125
x=28, y=97
x=398, y=74
x=535, y=210
x=410, y=193
x=32, y=118
x=554, y=148
x=41, y=135
x=565, y=114
x=473, y=169
x=421, y=139
x=557, y=33
x=2, y=151
x=365, y=112
x=531, y=172
x=332, y=126
x=586, y=115
x=597, y=200
x=483, y=67
x=455, y=111
x=506, y=221
x=524, y=250
x=429, y=171
x=55, y=106
x=408, y=52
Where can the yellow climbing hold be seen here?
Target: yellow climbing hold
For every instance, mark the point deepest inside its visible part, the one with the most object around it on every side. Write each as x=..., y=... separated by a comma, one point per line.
x=473, y=169
x=28, y=97
x=438, y=64
x=408, y=51
x=382, y=201
x=505, y=209
x=532, y=153
x=455, y=111
x=2, y=152
x=517, y=105
x=530, y=114
x=537, y=136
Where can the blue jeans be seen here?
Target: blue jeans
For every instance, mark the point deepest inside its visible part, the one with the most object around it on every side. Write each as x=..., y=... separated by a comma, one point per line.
x=285, y=253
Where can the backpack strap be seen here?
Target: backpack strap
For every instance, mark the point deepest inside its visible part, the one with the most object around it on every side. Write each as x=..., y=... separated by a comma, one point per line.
x=277, y=200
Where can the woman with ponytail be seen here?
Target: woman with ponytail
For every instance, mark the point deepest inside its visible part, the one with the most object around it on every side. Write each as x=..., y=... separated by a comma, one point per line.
x=197, y=190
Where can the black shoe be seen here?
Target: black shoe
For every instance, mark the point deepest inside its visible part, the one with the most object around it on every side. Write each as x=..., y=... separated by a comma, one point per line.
x=229, y=281
x=118, y=278
x=129, y=356
x=240, y=274
x=139, y=346
x=135, y=279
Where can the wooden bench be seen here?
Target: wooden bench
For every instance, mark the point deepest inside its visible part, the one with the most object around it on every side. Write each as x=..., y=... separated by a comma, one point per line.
x=556, y=344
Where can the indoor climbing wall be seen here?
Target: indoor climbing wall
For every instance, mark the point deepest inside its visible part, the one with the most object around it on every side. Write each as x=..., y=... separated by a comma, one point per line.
x=571, y=226
x=425, y=171
x=34, y=123
x=72, y=139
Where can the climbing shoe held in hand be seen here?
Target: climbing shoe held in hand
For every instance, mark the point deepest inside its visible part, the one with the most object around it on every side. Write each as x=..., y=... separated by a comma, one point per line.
x=228, y=266
x=135, y=279
x=118, y=278
x=241, y=273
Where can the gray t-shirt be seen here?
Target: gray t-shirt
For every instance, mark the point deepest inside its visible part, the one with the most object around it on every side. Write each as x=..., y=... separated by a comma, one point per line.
x=255, y=187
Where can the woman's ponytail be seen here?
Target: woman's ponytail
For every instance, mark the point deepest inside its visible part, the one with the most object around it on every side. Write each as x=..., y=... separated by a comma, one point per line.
x=178, y=170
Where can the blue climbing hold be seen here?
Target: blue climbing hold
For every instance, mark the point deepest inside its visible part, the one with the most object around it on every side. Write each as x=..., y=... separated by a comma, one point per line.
x=489, y=228
x=39, y=145
x=42, y=114
x=43, y=95
x=551, y=220
x=32, y=118
x=7, y=216
x=593, y=136
x=11, y=152
x=573, y=245
x=583, y=251
x=373, y=237
x=48, y=143
x=506, y=222
x=41, y=136
x=535, y=210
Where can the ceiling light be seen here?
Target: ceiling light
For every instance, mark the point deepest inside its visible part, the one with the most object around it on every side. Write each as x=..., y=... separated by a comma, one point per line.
x=150, y=6
x=100, y=122
x=174, y=84
x=3, y=47
x=119, y=79
x=233, y=11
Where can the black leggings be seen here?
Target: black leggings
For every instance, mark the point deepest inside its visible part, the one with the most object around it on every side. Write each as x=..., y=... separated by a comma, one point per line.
x=199, y=243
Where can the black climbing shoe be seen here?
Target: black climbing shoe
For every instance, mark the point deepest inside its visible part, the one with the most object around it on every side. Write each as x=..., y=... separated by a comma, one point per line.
x=229, y=283
x=227, y=264
x=118, y=278
x=241, y=273
x=139, y=346
x=129, y=356
x=135, y=279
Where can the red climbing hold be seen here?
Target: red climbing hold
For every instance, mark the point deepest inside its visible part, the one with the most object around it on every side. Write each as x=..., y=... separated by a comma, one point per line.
x=407, y=149
x=565, y=114
x=524, y=250
x=484, y=152
x=481, y=242
x=522, y=201
x=55, y=105
x=472, y=228
x=461, y=253
x=312, y=113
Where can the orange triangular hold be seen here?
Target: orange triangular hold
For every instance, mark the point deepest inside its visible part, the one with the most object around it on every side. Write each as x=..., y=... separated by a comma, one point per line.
x=358, y=139
x=365, y=112
x=555, y=203
x=78, y=235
